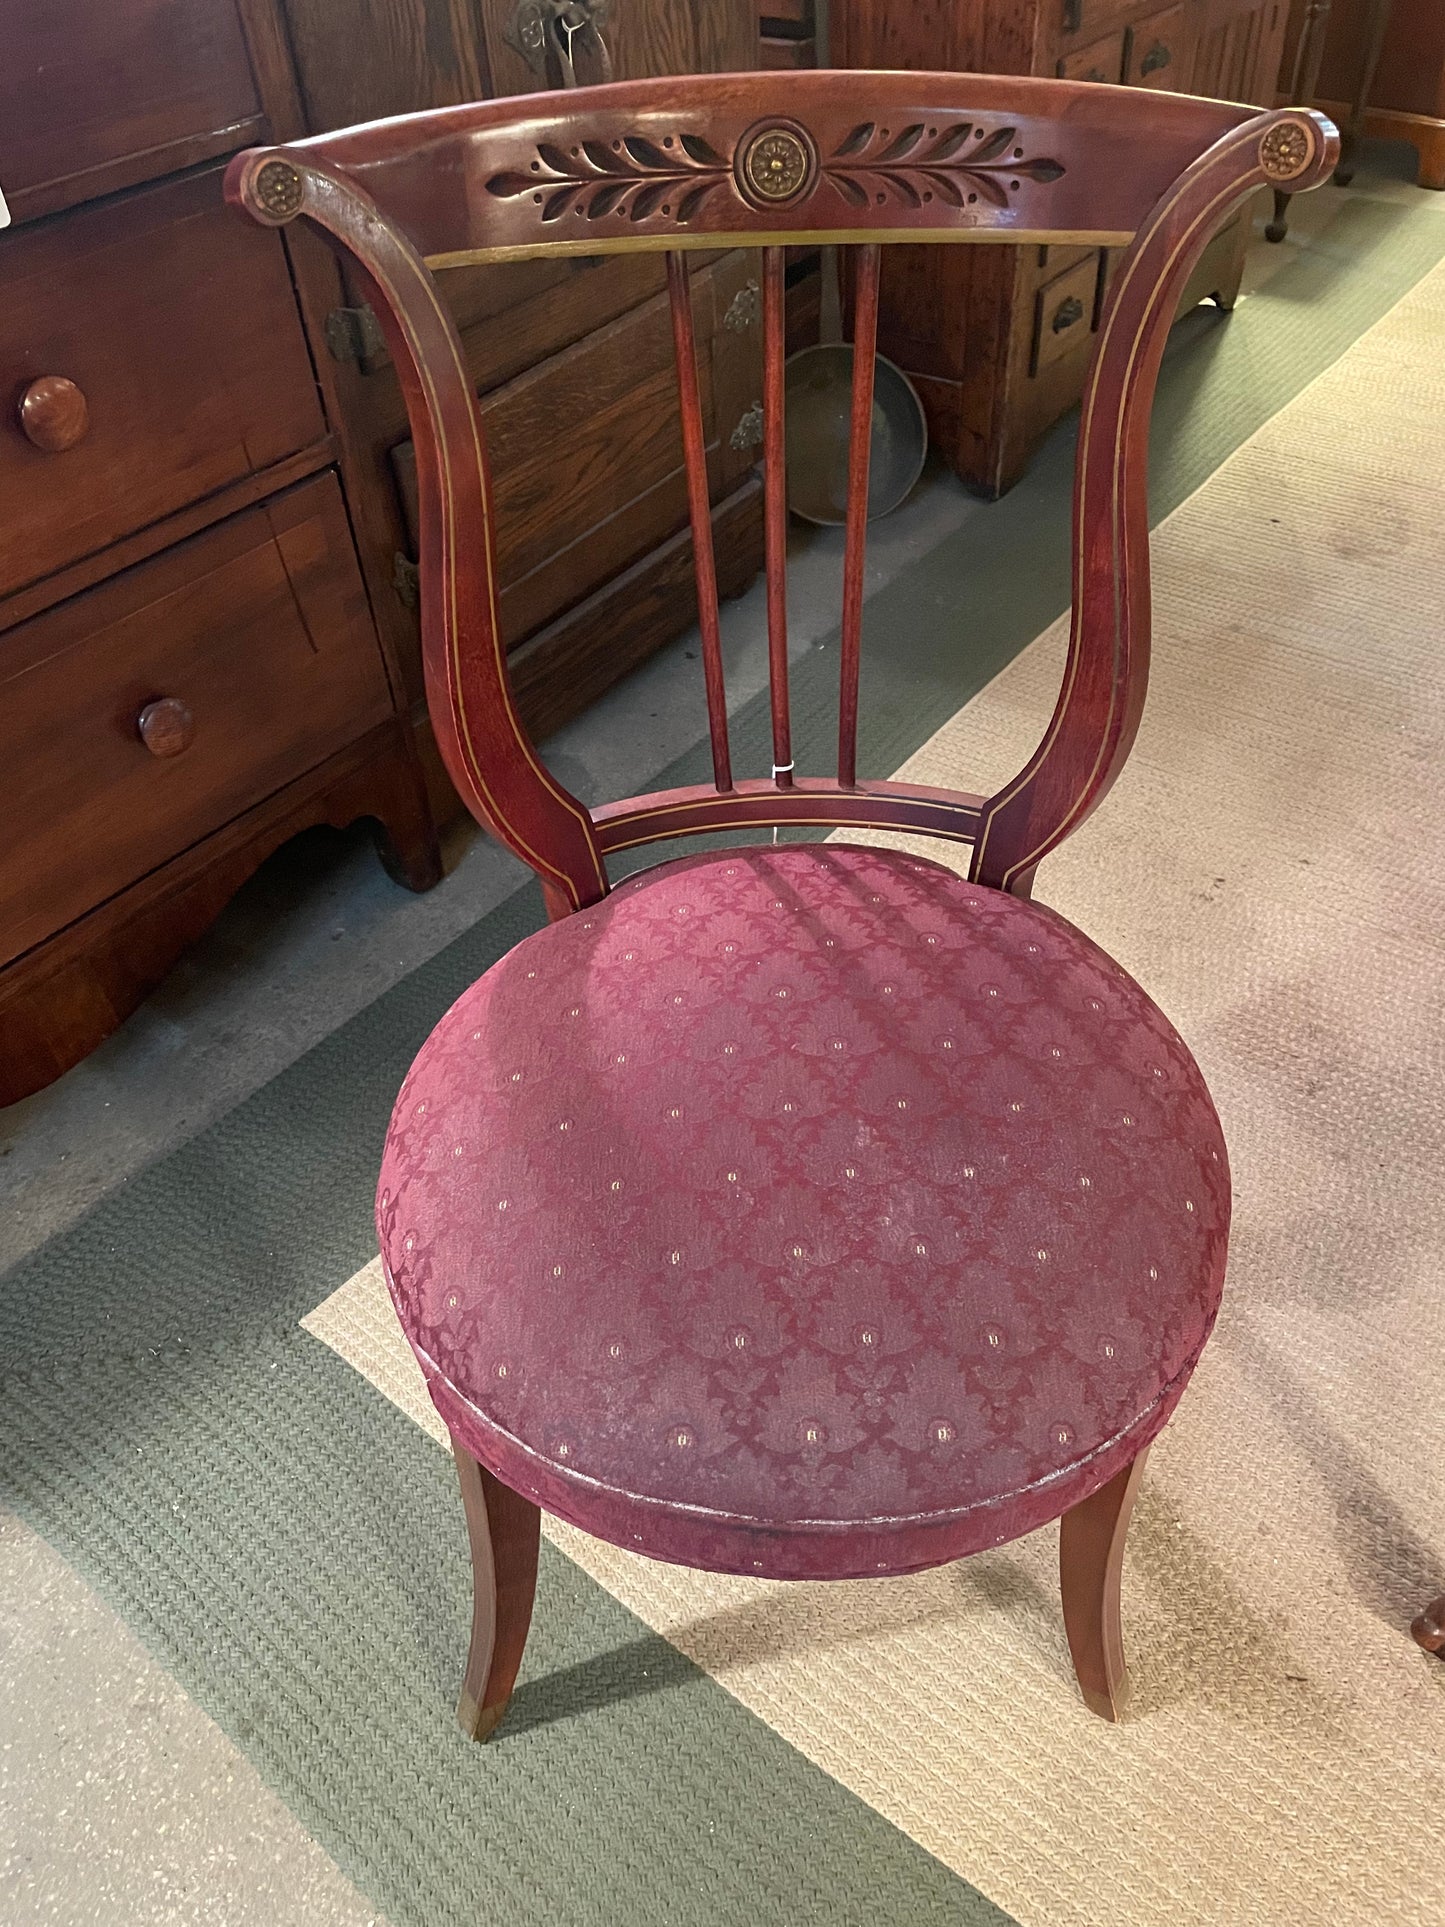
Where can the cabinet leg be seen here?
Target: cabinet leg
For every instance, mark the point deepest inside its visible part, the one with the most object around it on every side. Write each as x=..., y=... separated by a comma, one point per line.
x=1308, y=55
x=1350, y=133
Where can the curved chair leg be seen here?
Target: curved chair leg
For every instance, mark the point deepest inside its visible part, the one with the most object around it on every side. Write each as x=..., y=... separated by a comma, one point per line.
x=504, y=1530
x=1091, y=1562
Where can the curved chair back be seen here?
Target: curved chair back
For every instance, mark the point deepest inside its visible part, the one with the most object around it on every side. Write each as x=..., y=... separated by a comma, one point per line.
x=855, y=159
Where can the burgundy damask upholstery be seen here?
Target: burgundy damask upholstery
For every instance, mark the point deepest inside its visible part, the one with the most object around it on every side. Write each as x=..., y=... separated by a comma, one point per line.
x=805, y=1211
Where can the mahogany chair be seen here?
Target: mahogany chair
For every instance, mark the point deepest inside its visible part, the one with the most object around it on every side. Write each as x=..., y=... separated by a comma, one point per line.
x=805, y=1209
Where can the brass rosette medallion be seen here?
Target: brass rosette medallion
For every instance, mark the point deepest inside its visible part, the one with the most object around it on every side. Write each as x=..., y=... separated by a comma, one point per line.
x=776, y=164
x=1287, y=150
x=278, y=190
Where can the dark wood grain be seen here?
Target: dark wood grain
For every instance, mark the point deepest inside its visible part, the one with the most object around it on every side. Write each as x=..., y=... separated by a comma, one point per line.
x=568, y=664
x=250, y=629
x=68, y=994
x=178, y=329
x=94, y=98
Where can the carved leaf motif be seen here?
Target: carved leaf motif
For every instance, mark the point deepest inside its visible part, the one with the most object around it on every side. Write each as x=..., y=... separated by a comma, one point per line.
x=693, y=200
x=991, y=189
x=601, y=156
x=506, y=186
x=554, y=158
x=1040, y=170
x=948, y=189
x=902, y=187
x=849, y=189
x=697, y=149
x=902, y=144
x=558, y=203
x=649, y=198
x=644, y=152
x=997, y=143
x=857, y=140
x=950, y=141
x=605, y=199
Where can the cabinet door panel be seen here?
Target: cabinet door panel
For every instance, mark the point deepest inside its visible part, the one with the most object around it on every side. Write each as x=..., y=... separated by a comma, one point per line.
x=365, y=59
x=585, y=449
x=178, y=325
x=255, y=636
x=1238, y=50
x=96, y=97
x=1159, y=50
x=644, y=37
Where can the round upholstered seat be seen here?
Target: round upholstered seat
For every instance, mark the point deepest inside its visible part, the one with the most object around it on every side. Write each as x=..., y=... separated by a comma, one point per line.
x=805, y=1211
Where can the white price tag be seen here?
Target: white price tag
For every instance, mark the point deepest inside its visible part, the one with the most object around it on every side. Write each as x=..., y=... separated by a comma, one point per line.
x=4, y=211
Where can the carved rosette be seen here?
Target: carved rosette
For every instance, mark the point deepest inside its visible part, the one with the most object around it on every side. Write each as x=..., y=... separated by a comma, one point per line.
x=775, y=164
x=278, y=190
x=1287, y=150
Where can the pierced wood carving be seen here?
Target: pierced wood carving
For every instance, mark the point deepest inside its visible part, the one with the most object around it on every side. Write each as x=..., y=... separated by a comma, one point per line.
x=959, y=164
x=632, y=176
x=773, y=165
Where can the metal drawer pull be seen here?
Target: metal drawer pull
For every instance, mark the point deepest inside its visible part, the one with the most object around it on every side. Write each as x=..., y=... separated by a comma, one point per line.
x=749, y=431
x=166, y=726
x=1066, y=314
x=745, y=308
x=54, y=414
x=564, y=29
x=1158, y=56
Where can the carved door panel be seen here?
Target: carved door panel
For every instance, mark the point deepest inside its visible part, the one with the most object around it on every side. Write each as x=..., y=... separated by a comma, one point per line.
x=528, y=41
x=366, y=59
x=1237, y=54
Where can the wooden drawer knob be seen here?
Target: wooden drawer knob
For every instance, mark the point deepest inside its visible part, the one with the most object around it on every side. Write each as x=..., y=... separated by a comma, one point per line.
x=166, y=726
x=53, y=414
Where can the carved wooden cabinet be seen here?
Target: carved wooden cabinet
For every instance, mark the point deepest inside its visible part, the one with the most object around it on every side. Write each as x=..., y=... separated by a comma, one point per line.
x=997, y=340
x=205, y=638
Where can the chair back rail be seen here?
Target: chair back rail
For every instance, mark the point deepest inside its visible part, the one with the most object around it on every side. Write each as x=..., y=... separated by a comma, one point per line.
x=857, y=159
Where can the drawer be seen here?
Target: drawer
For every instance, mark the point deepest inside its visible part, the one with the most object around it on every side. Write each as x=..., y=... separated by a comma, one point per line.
x=1064, y=313
x=1053, y=260
x=99, y=94
x=585, y=449
x=1158, y=50
x=178, y=326
x=258, y=631
x=1101, y=59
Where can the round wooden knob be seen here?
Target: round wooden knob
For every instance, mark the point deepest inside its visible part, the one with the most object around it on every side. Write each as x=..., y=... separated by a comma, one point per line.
x=166, y=726
x=54, y=414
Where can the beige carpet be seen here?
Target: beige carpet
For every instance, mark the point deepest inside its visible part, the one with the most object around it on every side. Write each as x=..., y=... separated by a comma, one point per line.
x=1272, y=867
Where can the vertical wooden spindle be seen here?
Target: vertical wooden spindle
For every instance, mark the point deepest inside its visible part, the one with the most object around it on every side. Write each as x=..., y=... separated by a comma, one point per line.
x=694, y=450
x=860, y=442
x=775, y=512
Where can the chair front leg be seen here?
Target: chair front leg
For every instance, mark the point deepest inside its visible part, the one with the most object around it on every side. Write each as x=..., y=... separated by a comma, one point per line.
x=504, y=1530
x=1091, y=1564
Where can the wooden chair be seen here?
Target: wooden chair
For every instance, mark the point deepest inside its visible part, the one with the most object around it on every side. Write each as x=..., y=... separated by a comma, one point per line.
x=803, y=1210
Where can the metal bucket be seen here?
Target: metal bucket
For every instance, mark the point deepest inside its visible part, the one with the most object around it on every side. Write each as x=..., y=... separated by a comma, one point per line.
x=819, y=408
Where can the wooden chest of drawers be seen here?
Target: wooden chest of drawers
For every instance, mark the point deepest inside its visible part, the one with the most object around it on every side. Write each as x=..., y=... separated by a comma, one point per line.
x=997, y=340
x=205, y=637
